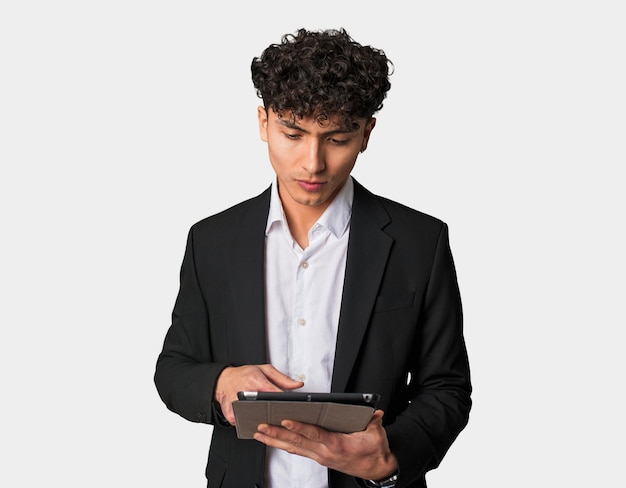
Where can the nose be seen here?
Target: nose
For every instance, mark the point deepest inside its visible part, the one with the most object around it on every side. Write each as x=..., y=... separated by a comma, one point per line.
x=313, y=159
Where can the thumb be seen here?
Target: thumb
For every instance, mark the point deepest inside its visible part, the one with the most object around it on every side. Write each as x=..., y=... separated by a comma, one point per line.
x=377, y=419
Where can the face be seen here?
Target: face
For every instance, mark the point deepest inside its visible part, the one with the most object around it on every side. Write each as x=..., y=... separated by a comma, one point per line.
x=311, y=161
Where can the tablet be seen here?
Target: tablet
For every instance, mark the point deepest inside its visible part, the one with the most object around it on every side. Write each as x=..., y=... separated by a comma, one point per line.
x=336, y=412
x=299, y=396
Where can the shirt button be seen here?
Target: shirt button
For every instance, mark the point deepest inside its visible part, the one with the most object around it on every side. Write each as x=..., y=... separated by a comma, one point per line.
x=302, y=377
x=305, y=265
x=302, y=322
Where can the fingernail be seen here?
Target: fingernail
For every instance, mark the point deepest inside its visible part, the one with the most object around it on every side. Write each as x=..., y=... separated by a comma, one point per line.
x=263, y=429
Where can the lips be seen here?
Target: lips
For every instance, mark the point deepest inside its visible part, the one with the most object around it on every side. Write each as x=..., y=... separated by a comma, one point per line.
x=310, y=185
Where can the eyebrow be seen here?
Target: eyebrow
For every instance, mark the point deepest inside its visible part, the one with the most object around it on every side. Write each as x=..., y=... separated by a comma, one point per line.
x=341, y=130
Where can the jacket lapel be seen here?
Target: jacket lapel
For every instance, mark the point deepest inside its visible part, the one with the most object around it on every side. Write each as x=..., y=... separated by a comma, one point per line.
x=247, y=265
x=368, y=249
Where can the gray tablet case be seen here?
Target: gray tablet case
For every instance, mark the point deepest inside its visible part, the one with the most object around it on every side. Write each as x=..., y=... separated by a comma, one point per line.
x=336, y=417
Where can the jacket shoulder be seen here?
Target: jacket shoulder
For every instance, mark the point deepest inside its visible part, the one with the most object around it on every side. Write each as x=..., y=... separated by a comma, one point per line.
x=390, y=213
x=232, y=219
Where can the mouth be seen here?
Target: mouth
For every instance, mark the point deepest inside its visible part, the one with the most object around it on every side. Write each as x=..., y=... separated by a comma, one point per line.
x=310, y=185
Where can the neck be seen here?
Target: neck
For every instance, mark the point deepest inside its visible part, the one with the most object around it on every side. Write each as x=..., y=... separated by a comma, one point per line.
x=300, y=221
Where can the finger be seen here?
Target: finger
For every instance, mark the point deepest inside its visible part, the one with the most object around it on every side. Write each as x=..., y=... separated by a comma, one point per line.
x=280, y=379
x=377, y=417
x=308, y=431
x=375, y=425
x=281, y=438
x=229, y=414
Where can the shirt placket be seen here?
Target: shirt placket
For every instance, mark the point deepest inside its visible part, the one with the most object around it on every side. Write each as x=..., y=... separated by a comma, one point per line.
x=301, y=358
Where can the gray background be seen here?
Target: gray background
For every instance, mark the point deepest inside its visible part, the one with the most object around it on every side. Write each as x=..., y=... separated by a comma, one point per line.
x=124, y=122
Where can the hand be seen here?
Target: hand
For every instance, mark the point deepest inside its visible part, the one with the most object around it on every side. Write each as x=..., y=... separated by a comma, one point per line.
x=264, y=377
x=365, y=455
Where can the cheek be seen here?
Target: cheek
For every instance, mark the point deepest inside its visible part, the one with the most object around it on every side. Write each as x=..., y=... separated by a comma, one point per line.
x=343, y=166
x=280, y=145
x=279, y=159
x=342, y=159
x=276, y=153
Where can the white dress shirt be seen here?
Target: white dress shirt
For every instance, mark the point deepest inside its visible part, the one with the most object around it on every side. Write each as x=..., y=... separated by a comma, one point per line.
x=303, y=300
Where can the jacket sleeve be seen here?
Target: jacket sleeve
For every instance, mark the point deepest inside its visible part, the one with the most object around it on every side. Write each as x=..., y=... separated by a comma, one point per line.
x=185, y=374
x=439, y=388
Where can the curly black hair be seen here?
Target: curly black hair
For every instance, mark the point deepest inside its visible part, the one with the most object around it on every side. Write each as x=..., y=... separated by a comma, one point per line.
x=322, y=73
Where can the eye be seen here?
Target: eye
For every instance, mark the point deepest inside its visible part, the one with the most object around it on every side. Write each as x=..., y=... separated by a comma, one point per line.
x=339, y=142
x=292, y=137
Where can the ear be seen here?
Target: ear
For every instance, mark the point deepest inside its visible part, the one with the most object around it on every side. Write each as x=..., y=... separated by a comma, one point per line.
x=367, y=131
x=262, y=116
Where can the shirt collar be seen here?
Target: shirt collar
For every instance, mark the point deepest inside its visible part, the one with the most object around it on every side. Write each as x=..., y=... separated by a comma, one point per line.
x=335, y=218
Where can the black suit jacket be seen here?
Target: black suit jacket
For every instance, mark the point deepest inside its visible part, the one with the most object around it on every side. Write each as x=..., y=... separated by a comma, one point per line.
x=400, y=332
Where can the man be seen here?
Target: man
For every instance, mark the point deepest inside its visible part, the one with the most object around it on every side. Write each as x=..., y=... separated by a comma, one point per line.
x=319, y=285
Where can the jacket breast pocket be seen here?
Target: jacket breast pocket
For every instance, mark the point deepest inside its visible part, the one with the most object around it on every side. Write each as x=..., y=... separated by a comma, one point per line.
x=385, y=303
